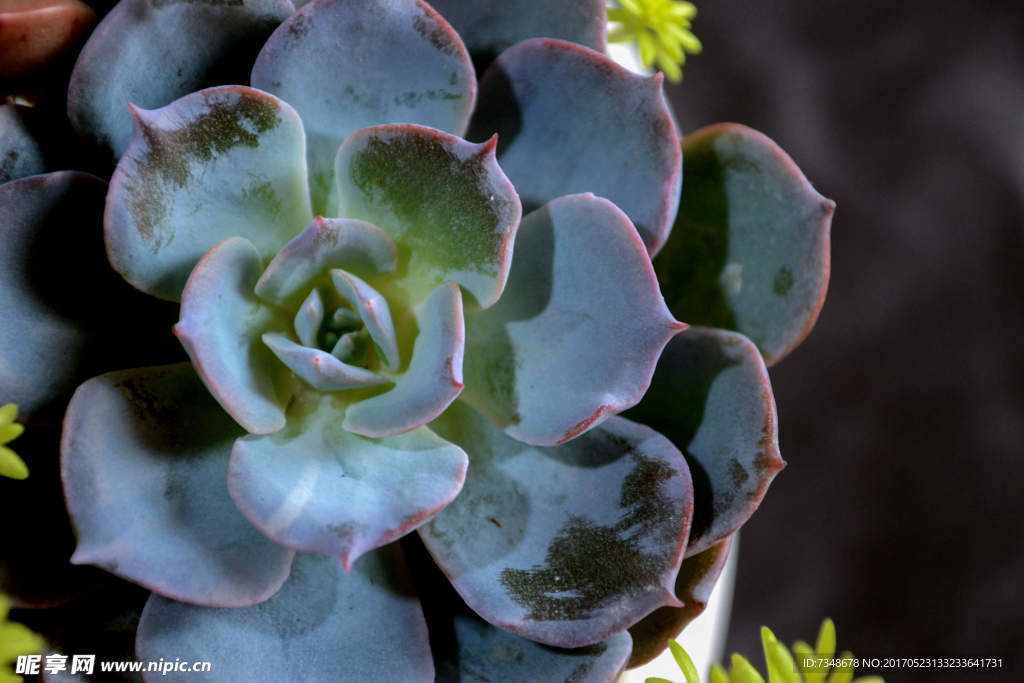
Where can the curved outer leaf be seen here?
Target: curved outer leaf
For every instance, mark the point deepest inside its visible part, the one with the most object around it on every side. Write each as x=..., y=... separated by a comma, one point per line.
x=434, y=376
x=318, y=488
x=568, y=545
x=63, y=309
x=221, y=326
x=325, y=243
x=20, y=155
x=446, y=203
x=40, y=349
x=151, y=52
x=37, y=535
x=144, y=463
x=34, y=32
x=491, y=655
x=466, y=648
x=323, y=626
x=750, y=249
x=577, y=334
x=696, y=579
x=712, y=398
x=223, y=162
x=349, y=64
x=489, y=27
x=571, y=120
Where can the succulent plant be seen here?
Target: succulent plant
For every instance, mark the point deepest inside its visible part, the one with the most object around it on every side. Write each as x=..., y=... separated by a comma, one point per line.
x=802, y=664
x=10, y=464
x=390, y=328
x=15, y=640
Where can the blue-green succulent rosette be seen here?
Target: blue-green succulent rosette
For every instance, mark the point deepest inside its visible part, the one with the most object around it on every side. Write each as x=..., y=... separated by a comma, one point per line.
x=394, y=329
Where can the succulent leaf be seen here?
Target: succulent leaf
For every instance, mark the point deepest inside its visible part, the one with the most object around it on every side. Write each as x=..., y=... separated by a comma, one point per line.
x=64, y=307
x=434, y=376
x=151, y=53
x=34, y=568
x=711, y=397
x=444, y=201
x=38, y=362
x=224, y=162
x=492, y=655
x=489, y=27
x=319, y=488
x=697, y=577
x=154, y=440
x=349, y=64
x=10, y=464
x=519, y=543
x=373, y=310
x=750, y=249
x=539, y=98
x=15, y=640
x=20, y=154
x=321, y=370
x=35, y=32
x=326, y=243
x=571, y=341
x=221, y=326
x=371, y=613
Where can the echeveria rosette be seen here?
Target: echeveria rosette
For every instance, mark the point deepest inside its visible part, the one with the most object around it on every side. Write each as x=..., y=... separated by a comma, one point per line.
x=330, y=353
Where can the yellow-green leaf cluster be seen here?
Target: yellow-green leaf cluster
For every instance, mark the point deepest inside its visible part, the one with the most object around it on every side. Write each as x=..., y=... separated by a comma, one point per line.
x=10, y=464
x=15, y=639
x=780, y=662
x=661, y=30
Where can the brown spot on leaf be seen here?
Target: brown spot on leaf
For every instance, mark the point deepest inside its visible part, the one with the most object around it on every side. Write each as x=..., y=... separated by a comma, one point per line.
x=587, y=565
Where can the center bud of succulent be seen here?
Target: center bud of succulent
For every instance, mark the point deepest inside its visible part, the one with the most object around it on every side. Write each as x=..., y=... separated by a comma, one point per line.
x=345, y=336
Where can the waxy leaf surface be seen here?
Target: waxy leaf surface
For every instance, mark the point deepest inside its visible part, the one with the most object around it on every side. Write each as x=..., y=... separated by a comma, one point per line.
x=570, y=120
x=349, y=64
x=221, y=326
x=33, y=33
x=319, y=369
x=576, y=335
x=696, y=579
x=446, y=203
x=34, y=568
x=323, y=626
x=223, y=162
x=492, y=655
x=326, y=243
x=489, y=27
x=20, y=154
x=144, y=462
x=64, y=311
x=711, y=397
x=317, y=487
x=434, y=376
x=750, y=247
x=566, y=545
x=151, y=52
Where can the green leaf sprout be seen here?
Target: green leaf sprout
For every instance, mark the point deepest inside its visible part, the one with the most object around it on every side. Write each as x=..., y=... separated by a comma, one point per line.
x=10, y=464
x=661, y=30
x=15, y=639
x=815, y=664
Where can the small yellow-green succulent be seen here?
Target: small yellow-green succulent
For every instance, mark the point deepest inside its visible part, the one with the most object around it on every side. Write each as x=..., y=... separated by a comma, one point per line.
x=802, y=664
x=15, y=639
x=10, y=464
x=661, y=29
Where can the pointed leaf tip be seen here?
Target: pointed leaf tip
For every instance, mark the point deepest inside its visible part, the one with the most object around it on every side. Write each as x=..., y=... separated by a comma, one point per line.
x=750, y=247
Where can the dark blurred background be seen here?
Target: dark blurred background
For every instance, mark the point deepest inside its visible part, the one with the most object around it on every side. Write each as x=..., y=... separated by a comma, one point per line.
x=902, y=415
